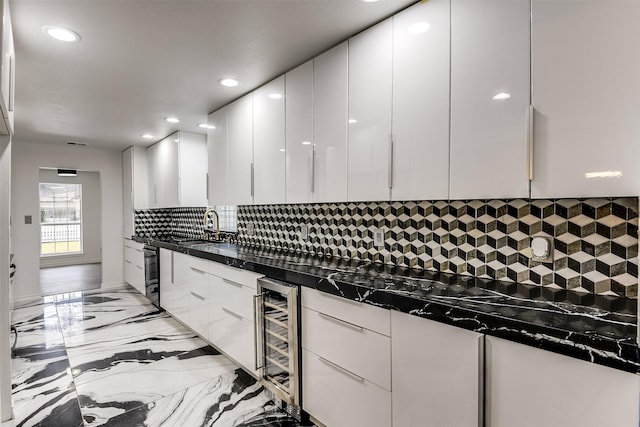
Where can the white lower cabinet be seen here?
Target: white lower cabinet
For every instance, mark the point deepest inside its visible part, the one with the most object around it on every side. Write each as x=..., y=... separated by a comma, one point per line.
x=199, y=302
x=437, y=373
x=134, y=265
x=234, y=335
x=346, y=366
x=529, y=387
x=174, y=277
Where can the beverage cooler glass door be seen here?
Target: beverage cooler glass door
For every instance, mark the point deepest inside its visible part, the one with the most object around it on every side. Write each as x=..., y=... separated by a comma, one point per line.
x=277, y=333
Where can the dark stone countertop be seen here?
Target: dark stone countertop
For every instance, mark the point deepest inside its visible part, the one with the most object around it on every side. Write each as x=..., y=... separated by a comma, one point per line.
x=600, y=329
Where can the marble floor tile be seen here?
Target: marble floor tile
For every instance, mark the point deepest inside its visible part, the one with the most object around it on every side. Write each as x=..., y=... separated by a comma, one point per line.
x=116, y=297
x=75, y=320
x=94, y=361
x=151, y=382
x=231, y=399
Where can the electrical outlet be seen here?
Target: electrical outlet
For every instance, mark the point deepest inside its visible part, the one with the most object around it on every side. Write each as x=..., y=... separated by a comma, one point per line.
x=251, y=229
x=304, y=232
x=28, y=219
x=378, y=238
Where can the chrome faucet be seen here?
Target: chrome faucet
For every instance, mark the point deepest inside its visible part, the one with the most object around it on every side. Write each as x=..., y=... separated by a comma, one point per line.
x=206, y=227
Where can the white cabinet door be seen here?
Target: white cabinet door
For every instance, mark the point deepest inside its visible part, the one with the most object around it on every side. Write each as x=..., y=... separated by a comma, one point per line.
x=529, y=387
x=421, y=102
x=152, y=155
x=269, y=143
x=127, y=193
x=140, y=176
x=370, y=68
x=490, y=93
x=240, y=151
x=299, y=134
x=166, y=280
x=199, y=300
x=163, y=175
x=586, y=95
x=437, y=373
x=134, y=265
x=330, y=121
x=217, y=153
x=179, y=289
x=192, y=169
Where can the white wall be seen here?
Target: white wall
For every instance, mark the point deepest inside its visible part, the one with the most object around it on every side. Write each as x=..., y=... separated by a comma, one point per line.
x=5, y=351
x=28, y=158
x=91, y=218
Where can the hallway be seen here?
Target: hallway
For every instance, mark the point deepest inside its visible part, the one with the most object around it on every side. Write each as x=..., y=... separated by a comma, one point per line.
x=72, y=278
x=108, y=357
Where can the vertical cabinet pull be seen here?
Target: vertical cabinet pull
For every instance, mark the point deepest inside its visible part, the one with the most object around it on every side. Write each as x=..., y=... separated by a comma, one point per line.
x=252, y=176
x=481, y=381
x=529, y=129
x=172, y=274
x=390, y=183
x=206, y=183
x=313, y=170
x=257, y=336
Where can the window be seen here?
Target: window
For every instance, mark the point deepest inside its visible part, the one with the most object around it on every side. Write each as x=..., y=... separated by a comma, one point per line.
x=60, y=219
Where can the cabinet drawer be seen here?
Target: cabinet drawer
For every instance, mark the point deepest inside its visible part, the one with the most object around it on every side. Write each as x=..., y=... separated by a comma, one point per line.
x=340, y=399
x=233, y=335
x=367, y=355
x=232, y=296
x=199, y=313
x=243, y=277
x=199, y=264
x=374, y=318
x=133, y=245
x=198, y=282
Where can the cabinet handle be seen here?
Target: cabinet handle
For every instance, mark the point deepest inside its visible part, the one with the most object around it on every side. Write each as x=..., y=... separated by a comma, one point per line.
x=127, y=261
x=257, y=333
x=529, y=122
x=206, y=177
x=252, y=175
x=231, y=312
x=313, y=170
x=481, y=383
x=328, y=295
x=198, y=270
x=231, y=282
x=341, y=369
x=200, y=297
x=155, y=196
x=342, y=322
x=172, y=273
x=138, y=266
x=178, y=192
x=390, y=183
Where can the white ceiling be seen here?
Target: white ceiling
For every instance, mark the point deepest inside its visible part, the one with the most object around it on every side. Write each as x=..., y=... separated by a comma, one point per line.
x=140, y=61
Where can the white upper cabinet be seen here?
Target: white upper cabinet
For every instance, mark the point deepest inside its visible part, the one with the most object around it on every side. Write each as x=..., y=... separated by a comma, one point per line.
x=299, y=134
x=193, y=169
x=586, y=96
x=7, y=74
x=490, y=94
x=369, y=155
x=421, y=102
x=177, y=171
x=269, y=143
x=217, y=187
x=330, y=115
x=240, y=151
x=134, y=188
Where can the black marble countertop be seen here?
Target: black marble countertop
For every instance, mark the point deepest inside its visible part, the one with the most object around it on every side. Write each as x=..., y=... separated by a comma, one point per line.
x=600, y=329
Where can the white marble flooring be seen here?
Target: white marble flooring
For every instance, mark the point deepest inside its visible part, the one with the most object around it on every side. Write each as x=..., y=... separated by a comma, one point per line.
x=109, y=358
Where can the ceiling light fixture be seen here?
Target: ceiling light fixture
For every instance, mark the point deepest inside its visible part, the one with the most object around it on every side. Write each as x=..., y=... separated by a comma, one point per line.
x=501, y=96
x=275, y=96
x=172, y=120
x=603, y=174
x=353, y=121
x=206, y=126
x=61, y=33
x=306, y=142
x=369, y=1
x=147, y=136
x=229, y=82
x=419, y=28
x=67, y=172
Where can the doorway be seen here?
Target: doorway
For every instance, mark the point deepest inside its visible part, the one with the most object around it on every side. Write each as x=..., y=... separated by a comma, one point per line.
x=70, y=231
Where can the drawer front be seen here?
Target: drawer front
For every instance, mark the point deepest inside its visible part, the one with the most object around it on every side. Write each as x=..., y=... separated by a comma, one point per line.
x=374, y=318
x=233, y=335
x=199, y=264
x=368, y=353
x=340, y=399
x=243, y=277
x=232, y=296
x=133, y=245
x=199, y=318
x=199, y=282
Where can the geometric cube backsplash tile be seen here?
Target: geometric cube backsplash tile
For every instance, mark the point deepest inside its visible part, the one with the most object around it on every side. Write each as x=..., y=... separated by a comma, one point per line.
x=595, y=240
x=184, y=223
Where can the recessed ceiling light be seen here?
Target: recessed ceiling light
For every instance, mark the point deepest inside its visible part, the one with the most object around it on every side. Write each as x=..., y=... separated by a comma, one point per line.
x=275, y=96
x=306, y=142
x=61, y=33
x=353, y=121
x=369, y=1
x=206, y=126
x=229, y=82
x=283, y=150
x=419, y=28
x=172, y=120
x=501, y=96
x=603, y=174
x=147, y=136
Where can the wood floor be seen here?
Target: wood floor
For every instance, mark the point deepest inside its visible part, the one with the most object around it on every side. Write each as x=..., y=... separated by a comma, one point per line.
x=59, y=280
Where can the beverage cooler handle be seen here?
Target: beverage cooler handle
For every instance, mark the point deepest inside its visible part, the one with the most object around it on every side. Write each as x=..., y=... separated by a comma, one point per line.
x=257, y=336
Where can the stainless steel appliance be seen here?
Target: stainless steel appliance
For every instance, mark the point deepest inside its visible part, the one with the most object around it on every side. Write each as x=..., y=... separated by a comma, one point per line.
x=152, y=274
x=277, y=343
